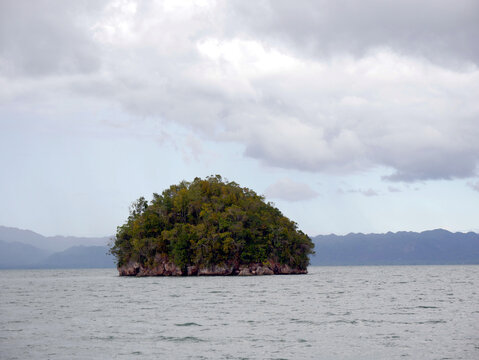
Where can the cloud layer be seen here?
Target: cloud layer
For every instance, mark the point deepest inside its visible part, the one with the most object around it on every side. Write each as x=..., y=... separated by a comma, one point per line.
x=317, y=86
x=289, y=190
x=439, y=30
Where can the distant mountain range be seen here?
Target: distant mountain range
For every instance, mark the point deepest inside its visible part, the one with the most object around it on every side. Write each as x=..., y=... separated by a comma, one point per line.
x=432, y=247
x=25, y=249
x=79, y=257
x=50, y=243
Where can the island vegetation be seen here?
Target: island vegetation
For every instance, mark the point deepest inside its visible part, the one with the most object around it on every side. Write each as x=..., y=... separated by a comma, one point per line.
x=209, y=227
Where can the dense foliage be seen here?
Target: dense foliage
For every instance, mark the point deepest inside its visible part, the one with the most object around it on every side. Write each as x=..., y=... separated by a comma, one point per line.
x=208, y=222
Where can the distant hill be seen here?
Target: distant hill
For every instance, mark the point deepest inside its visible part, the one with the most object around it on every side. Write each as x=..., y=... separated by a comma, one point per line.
x=78, y=257
x=17, y=249
x=19, y=255
x=49, y=243
x=401, y=248
x=25, y=249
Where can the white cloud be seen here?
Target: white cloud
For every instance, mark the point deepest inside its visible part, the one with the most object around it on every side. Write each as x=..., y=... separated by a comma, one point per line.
x=289, y=190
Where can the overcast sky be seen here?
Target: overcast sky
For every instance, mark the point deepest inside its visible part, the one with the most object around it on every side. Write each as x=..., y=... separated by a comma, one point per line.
x=351, y=116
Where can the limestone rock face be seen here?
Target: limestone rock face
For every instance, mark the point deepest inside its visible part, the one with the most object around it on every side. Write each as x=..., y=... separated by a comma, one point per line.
x=164, y=267
x=130, y=269
x=192, y=270
x=216, y=270
x=264, y=270
x=161, y=269
x=245, y=271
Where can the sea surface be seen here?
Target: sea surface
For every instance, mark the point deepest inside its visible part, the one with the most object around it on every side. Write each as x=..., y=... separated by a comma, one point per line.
x=370, y=312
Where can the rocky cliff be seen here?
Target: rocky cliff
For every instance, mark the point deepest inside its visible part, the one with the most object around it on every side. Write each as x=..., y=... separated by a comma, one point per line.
x=164, y=267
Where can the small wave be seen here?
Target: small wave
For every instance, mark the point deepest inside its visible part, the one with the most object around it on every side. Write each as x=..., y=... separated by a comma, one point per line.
x=188, y=324
x=372, y=321
x=347, y=313
x=432, y=322
x=427, y=307
x=193, y=339
x=299, y=321
x=103, y=338
x=344, y=322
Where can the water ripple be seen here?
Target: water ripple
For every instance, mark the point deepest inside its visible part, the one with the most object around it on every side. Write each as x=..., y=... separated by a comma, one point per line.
x=345, y=313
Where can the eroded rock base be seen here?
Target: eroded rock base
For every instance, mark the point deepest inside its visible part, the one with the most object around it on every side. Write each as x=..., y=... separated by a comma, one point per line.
x=162, y=267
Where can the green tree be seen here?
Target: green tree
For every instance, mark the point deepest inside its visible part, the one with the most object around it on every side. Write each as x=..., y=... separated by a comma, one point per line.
x=209, y=221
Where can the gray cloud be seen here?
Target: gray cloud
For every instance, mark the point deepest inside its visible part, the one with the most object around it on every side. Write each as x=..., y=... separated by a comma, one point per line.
x=366, y=192
x=289, y=190
x=474, y=185
x=320, y=87
x=439, y=30
x=47, y=37
x=394, y=189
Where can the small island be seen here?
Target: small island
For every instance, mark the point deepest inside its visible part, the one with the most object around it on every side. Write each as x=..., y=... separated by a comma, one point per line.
x=209, y=227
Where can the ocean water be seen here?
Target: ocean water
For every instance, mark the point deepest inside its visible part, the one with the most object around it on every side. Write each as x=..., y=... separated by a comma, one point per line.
x=377, y=312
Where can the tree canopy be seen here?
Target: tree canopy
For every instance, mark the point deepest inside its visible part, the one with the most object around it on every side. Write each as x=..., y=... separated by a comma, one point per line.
x=209, y=222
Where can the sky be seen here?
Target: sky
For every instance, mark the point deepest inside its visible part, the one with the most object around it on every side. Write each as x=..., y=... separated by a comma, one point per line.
x=350, y=116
